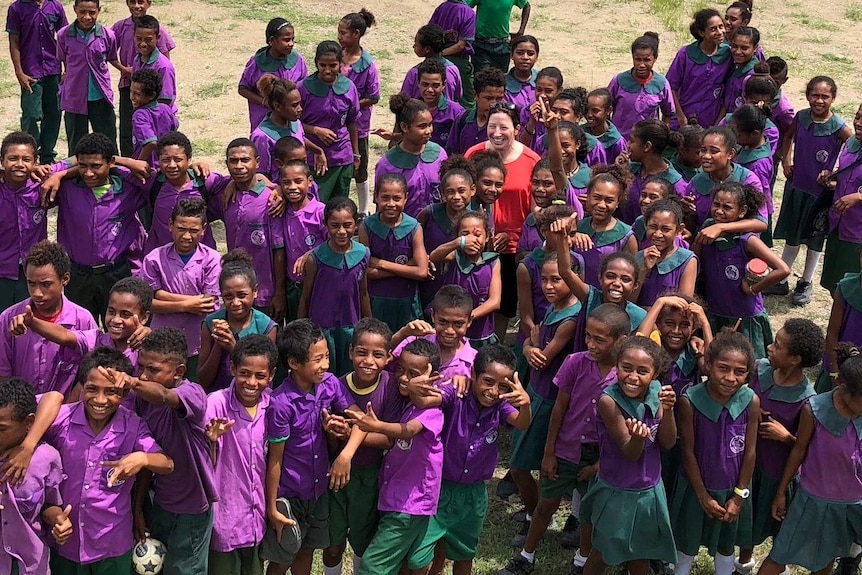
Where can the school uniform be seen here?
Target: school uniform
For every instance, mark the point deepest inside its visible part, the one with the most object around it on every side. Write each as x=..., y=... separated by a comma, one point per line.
x=849, y=291
x=444, y=118
x=44, y=364
x=89, y=339
x=303, y=231
x=410, y=481
x=612, y=141
x=364, y=75
x=180, y=514
x=458, y=16
x=421, y=171
x=265, y=136
x=640, y=232
x=635, y=100
x=699, y=81
x=239, y=520
x=701, y=186
x=770, y=133
x=530, y=238
x=467, y=133
x=460, y=364
x=85, y=94
x=759, y=161
x=36, y=27
x=719, y=447
x=149, y=123
x=664, y=277
x=260, y=324
x=845, y=239
x=475, y=277
x=331, y=107
x=453, y=90
x=292, y=67
x=682, y=373
x=627, y=504
x=24, y=549
x=164, y=197
x=734, y=85
x=577, y=187
x=159, y=63
x=522, y=94
x=336, y=300
x=687, y=172
x=101, y=515
x=595, y=298
x=630, y=210
x=437, y=230
x=604, y=243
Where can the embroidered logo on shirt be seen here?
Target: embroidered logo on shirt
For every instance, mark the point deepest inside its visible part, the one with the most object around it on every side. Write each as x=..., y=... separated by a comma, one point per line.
x=404, y=444
x=740, y=101
x=822, y=156
x=731, y=272
x=491, y=437
x=402, y=259
x=859, y=190
x=653, y=431
x=716, y=92
x=309, y=240
x=38, y=216
x=110, y=473
x=115, y=229
x=258, y=238
x=737, y=444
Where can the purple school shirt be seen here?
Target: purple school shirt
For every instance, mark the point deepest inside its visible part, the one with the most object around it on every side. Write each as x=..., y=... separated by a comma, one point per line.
x=542, y=380
x=149, y=123
x=634, y=101
x=848, y=289
x=530, y=237
x=364, y=75
x=412, y=470
x=522, y=94
x=292, y=67
x=460, y=364
x=770, y=133
x=394, y=245
x=580, y=377
x=124, y=30
x=97, y=231
x=421, y=171
x=36, y=27
x=452, y=89
x=457, y=16
x=22, y=536
x=784, y=405
x=89, y=339
x=331, y=107
x=611, y=141
x=265, y=136
x=476, y=279
x=734, y=85
x=723, y=271
x=759, y=161
x=84, y=57
x=467, y=133
x=816, y=148
x=848, y=224
x=248, y=225
x=664, y=277
x=631, y=210
x=259, y=324
x=604, y=243
x=101, y=515
x=831, y=468
x=699, y=81
x=445, y=119
x=335, y=298
x=469, y=437
x=782, y=113
x=159, y=63
x=163, y=269
x=436, y=231
x=701, y=186
x=303, y=230
x=46, y=365
x=377, y=395
x=239, y=520
x=169, y=196
x=295, y=418
x=191, y=487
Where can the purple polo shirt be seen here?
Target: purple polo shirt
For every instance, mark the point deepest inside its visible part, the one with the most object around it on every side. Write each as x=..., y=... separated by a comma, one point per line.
x=579, y=376
x=191, y=488
x=457, y=16
x=101, y=515
x=149, y=123
x=470, y=433
x=295, y=418
x=522, y=94
x=699, y=81
x=467, y=133
x=167, y=198
x=848, y=224
x=89, y=339
x=239, y=520
x=412, y=470
x=124, y=30
x=379, y=396
x=84, y=57
x=446, y=117
x=36, y=27
x=22, y=538
x=331, y=107
x=364, y=75
x=160, y=64
x=460, y=364
x=302, y=231
x=97, y=231
x=634, y=101
x=292, y=67
x=46, y=365
x=163, y=269
x=453, y=88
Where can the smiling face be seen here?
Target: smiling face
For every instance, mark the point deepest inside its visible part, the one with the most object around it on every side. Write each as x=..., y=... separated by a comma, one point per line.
x=651, y=192
x=94, y=169
x=602, y=200
x=488, y=386
x=328, y=68
x=820, y=98
x=457, y=192
x=543, y=188
x=369, y=356
x=675, y=328
x=410, y=366
x=138, y=8
x=173, y=162
x=727, y=373
x=340, y=224
x=145, y=41
x=733, y=20
x=597, y=112
x=742, y=49
x=450, y=325
x=18, y=163
x=490, y=185
x=187, y=232
x=618, y=281
x=312, y=371
x=635, y=372
x=120, y=315
x=599, y=341
x=569, y=147
x=725, y=208
x=546, y=89
x=553, y=286
x=253, y=376
x=295, y=183
x=138, y=95
x=643, y=59
x=431, y=87
x=501, y=131
x=282, y=43
x=418, y=132
x=238, y=296
x=390, y=199
x=662, y=229
x=715, y=154
x=86, y=14
x=101, y=398
x=637, y=147
x=714, y=30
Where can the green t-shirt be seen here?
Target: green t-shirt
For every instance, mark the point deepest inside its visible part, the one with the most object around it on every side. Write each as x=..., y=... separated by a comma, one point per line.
x=492, y=16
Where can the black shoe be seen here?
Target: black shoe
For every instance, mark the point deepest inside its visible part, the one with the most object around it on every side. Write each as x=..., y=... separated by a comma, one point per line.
x=506, y=487
x=781, y=288
x=571, y=537
x=848, y=565
x=576, y=570
x=519, y=516
x=802, y=294
x=518, y=565
x=521, y=535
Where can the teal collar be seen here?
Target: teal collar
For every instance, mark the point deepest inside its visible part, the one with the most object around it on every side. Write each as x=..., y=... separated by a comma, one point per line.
x=677, y=259
x=466, y=266
x=700, y=398
x=639, y=230
x=741, y=71
x=96, y=30
x=669, y=174
x=793, y=394
x=746, y=155
x=686, y=362
x=530, y=220
x=315, y=86
x=269, y=64
x=152, y=105
x=364, y=62
x=704, y=184
x=601, y=239
x=635, y=407
x=441, y=218
x=610, y=137
x=697, y=55
x=257, y=189
x=538, y=255
x=725, y=241
x=442, y=102
x=827, y=128
x=513, y=85
x=382, y=231
x=553, y=316
x=823, y=407
x=470, y=116
x=627, y=82
x=196, y=182
x=592, y=141
x=851, y=288
x=276, y=132
x=581, y=179
x=115, y=181
x=327, y=256
x=853, y=145
x=407, y=161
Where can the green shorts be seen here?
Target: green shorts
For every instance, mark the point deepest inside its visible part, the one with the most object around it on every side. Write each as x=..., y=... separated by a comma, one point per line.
x=187, y=537
x=121, y=565
x=397, y=538
x=567, y=474
x=529, y=445
x=460, y=515
x=335, y=182
x=244, y=561
x=353, y=512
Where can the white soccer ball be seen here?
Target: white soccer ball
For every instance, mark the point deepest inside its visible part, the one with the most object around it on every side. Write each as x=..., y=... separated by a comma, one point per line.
x=148, y=556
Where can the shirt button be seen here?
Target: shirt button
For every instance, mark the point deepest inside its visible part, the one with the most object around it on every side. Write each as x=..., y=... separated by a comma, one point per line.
x=89, y=464
x=466, y=471
x=315, y=457
x=86, y=487
x=583, y=437
x=592, y=401
x=588, y=420
x=477, y=424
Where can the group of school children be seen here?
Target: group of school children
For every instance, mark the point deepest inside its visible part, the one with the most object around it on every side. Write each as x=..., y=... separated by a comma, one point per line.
x=341, y=376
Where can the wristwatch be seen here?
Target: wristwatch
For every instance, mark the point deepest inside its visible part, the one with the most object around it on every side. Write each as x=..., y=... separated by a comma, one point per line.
x=744, y=493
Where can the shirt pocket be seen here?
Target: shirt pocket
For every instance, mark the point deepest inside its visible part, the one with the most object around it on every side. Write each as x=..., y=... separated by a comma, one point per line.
x=647, y=105
x=28, y=497
x=106, y=473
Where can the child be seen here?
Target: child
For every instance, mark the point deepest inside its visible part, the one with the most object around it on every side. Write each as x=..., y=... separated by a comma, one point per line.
x=184, y=276
x=470, y=432
x=783, y=389
x=545, y=192
x=149, y=58
x=330, y=105
x=600, y=109
x=151, y=119
x=491, y=48
x=335, y=285
x=475, y=270
x=684, y=150
x=85, y=47
x=635, y=424
x=490, y=178
x=521, y=79
x=749, y=124
x=103, y=446
x=725, y=263
x=655, y=190
x=458, y=21
x=827, y=442
x=782, y=110
x=410, y=478
x=222, y=330
x=277, y=57
x=360, y=68
x=489, y=88
x=239, y=521
x=398, y=261
x=844, y=325
x=760, y=90
x=429, y=42
x=666, y=267
x=445, y=113
x=718, y=423
x=124, y=30
x=547, y=85
x=282, y=98
x=744, y=42
x=698, y=70
x=32, y=32
x=565, y=431
x=641, y=93
x=415, y=157
x=297, y=461
x=815, y=136
x=40, y=362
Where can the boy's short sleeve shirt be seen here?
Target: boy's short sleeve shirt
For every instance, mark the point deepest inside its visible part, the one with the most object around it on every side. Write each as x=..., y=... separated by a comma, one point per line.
x=36, y=28
x=124, y=30
x=303, y=231
x=85, y=58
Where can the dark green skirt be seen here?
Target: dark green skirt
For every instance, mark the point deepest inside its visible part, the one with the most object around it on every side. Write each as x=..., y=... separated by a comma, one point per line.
x=757, y=329
x=763, y=490
x=671, y=461
x=798, y=210
x=528, y=446
x=692, y=529
x=841, y=258
x=338, y=340
x=396, y=312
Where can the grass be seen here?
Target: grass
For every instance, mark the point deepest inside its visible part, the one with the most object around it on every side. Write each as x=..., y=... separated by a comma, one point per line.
x=853, y=12
x=207, y=147
x=219, y=86
x=808, y=21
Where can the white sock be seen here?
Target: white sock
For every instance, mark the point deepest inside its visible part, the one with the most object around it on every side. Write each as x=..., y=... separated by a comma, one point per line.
x=579, y=560
x=789, y=256
x=333, y=570
x=576, y=504
x=528, y=556
x=362, y=194
x=357, y=561
x=724, y=564
x=743, y=568
x=528, y=517
x=683, y=563
x=855, y=550
x=812, y=258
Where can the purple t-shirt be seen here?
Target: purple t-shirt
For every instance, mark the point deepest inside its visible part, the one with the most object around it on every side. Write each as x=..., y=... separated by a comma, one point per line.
x=36, y=27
